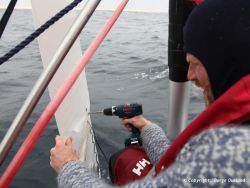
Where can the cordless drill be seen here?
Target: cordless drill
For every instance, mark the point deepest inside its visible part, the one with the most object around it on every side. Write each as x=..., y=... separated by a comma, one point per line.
x=126, y=111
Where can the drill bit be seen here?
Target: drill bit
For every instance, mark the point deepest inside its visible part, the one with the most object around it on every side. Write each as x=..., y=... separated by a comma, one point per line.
x=97, y=112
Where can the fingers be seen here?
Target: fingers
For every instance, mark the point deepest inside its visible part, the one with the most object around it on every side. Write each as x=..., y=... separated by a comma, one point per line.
x=68, y=142
x=127, y=121
x=128, y=127
x=138, y=122
x=61, y=153
x=59, y=141
x=51, y=164
x=52, y=151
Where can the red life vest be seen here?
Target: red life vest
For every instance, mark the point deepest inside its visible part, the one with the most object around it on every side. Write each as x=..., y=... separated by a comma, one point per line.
x=198, y=1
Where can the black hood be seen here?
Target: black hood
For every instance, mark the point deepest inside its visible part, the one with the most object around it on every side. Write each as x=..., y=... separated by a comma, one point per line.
x=217, y=32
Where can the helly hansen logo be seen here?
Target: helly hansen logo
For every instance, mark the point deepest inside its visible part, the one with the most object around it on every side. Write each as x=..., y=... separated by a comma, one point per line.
x=140, y=166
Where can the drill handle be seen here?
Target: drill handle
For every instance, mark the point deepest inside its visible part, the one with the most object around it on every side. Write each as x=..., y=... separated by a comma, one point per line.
x=135, y=131
x=134, y=138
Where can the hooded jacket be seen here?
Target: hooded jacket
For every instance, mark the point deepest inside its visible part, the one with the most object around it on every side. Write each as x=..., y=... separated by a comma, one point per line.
x=217, y=32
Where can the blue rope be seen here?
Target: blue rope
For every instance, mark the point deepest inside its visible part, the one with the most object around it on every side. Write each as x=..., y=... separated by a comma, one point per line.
x=37, y=32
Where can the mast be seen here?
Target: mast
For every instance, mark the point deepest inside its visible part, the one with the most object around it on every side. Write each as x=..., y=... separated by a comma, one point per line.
x=178, y=84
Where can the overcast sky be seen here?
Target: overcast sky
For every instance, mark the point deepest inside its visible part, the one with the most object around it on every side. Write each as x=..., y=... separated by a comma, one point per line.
x=143, y=5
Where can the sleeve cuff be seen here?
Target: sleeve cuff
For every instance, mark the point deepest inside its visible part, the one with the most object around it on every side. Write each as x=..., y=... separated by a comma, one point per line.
x=148, y=128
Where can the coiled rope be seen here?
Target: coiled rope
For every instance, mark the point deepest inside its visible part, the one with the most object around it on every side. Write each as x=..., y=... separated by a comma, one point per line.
x=38, y=31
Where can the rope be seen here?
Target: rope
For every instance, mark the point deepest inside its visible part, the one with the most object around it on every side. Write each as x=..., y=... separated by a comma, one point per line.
x=38, y=31
x=6, y=16
x=95, y=150
x=100, y=148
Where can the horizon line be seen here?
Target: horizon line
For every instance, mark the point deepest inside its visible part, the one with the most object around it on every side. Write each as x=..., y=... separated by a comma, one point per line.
x=126, y=10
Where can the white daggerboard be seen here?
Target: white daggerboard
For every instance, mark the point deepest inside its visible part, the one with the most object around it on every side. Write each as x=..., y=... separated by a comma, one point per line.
x=72, y=116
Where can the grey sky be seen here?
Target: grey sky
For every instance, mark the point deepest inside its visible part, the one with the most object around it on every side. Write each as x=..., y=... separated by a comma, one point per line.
x=143, y=5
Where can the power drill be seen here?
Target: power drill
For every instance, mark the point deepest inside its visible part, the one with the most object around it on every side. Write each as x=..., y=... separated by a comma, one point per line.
x=126, y=111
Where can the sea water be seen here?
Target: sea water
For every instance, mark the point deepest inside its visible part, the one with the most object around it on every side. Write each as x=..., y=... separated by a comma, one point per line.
x=130, y=66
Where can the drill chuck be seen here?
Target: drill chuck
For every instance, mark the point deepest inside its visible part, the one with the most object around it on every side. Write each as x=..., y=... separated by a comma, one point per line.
x=108, y=111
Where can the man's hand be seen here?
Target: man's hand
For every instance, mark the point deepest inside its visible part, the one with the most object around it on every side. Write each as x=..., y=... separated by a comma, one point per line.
x=62, y=153
x=138, y=122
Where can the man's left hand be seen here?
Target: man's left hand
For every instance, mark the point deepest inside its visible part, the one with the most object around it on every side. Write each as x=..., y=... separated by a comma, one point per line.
x=62, y=153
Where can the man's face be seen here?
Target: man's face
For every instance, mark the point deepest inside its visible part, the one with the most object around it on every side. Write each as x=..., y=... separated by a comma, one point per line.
x=198, y=74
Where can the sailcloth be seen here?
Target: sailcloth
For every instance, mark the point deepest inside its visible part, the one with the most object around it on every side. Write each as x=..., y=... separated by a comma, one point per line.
x=72, y=116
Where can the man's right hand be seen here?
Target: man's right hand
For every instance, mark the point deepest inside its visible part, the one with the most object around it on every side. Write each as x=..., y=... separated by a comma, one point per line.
x=138, y=122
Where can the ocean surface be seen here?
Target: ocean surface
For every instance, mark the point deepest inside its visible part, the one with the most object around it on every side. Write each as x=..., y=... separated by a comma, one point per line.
x=130, y=66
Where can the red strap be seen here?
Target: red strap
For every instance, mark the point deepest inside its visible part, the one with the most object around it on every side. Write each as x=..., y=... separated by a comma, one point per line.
x=198, y=1
x=232, y=107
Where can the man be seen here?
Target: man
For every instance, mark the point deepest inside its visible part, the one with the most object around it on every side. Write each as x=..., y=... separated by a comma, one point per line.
x=214, y=150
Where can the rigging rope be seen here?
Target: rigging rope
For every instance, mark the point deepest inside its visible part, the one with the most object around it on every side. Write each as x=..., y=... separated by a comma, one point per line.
x=100, y=148
x=6, y=16
x=38, y=31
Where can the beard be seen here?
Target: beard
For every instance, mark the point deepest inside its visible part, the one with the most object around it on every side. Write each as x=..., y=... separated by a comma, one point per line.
x=208, y=96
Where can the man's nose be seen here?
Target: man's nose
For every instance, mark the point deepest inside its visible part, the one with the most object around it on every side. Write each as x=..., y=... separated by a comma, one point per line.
x=191, y=73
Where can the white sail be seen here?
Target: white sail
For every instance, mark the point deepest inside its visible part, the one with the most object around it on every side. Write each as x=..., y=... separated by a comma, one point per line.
x=72, y=116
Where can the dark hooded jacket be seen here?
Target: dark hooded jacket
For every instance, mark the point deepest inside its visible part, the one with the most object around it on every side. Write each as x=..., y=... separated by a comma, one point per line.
x=217, y=32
